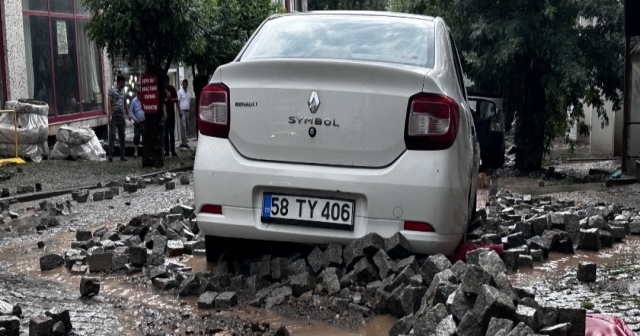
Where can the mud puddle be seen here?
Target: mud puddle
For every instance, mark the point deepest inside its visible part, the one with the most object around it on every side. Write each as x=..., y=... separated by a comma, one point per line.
x=136, y=294
x=559, y=264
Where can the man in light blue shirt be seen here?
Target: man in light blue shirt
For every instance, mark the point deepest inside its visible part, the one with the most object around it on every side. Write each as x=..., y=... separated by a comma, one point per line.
x=137, y=115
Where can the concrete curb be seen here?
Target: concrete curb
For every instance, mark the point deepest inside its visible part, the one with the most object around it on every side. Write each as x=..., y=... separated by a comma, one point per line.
x=53, y=193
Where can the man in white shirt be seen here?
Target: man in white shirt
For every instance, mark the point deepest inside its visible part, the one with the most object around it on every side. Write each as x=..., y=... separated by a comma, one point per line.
x=185, y=107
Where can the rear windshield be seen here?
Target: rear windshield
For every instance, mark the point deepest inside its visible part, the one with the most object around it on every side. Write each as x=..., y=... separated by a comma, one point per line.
x=359, y=37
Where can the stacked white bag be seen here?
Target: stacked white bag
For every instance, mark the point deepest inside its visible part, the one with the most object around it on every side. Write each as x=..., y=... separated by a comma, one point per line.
x=77, y=143
x=33, y=130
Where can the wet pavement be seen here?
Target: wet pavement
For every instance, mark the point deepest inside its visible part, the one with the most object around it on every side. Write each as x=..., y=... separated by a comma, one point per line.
x=55, y=175
x=616, y=291
x=129, y=305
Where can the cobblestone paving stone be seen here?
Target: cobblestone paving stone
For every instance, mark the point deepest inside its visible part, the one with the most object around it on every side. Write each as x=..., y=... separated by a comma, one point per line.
x=68, y=174
x=616, y=291
x=89, y=317
x=150, y=200
x=19, y=273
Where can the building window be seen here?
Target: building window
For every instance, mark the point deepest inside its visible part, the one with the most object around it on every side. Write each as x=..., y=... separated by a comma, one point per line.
x=63, y=64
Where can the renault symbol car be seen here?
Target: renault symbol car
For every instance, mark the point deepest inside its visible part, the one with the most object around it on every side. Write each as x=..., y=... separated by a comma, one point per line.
x=329, y=126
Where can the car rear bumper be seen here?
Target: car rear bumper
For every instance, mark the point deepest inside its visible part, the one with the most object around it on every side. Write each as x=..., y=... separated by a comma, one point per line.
x=426, y=187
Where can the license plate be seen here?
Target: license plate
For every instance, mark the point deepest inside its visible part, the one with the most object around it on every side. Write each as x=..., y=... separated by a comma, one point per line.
x=327, y=213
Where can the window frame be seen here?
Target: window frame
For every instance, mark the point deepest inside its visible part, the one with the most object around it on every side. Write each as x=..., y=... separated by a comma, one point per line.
x=457, y=66
x=3, y=67
x=75, y=16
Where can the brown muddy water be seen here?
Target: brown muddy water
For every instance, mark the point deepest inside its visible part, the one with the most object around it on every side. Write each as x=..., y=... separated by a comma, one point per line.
x=24, y=259
x=559, y=264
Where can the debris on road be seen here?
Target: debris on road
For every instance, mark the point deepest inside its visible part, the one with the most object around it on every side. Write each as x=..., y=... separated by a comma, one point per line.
x=89, y=286
x=587, y=271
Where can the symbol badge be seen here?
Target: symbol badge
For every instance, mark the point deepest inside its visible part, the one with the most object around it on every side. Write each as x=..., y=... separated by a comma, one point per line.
x=314, y=102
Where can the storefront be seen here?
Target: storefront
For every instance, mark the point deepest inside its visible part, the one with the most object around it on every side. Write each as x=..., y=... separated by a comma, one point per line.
x=49, y=57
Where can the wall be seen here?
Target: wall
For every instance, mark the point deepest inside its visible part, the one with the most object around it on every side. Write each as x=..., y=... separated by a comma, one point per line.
x=602, y=139
x=634, y=130
x=14, y=53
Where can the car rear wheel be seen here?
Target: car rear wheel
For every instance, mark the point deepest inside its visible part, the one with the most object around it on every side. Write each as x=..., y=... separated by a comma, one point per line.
x=213, y=248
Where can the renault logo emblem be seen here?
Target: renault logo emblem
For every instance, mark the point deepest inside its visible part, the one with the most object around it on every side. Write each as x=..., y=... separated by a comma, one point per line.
x=314, y=102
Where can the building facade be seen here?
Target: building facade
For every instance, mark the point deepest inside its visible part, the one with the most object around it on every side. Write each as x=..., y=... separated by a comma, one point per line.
x=46, y=55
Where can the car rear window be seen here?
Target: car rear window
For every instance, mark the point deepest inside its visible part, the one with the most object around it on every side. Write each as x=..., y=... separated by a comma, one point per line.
x=358, y=37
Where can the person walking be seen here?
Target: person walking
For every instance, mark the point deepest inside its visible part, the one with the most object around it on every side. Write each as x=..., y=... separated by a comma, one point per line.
x=170, y=124
x=137, y=115
x=185, y=108
x=117, y=107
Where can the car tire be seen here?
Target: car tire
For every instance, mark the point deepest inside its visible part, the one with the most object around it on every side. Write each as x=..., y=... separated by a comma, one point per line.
x=213, y=248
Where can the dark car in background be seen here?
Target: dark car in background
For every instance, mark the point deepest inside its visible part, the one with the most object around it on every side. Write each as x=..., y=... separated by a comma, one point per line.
x=489, y=117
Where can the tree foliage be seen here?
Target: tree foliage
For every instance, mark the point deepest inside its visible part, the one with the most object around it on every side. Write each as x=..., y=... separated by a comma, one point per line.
x=544, y=56
x=376, y=5
x=157, y=31
x=224, y=29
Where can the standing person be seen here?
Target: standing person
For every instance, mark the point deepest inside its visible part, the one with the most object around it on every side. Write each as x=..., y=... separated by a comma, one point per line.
x=117, y=107
x=185, y=108
x=170, y=124
x=137, y=115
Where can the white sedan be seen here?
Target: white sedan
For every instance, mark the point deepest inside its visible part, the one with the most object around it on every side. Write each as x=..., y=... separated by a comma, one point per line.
x=331, y=125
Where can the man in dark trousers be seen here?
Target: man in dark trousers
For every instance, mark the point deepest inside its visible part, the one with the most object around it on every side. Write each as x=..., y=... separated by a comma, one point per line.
x=170, y=124
x=117, y=107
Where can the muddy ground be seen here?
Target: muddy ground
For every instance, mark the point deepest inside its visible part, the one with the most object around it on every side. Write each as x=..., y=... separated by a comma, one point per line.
x=129, y=305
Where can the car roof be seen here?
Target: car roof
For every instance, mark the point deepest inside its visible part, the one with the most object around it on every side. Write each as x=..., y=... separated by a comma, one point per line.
x=358, y=13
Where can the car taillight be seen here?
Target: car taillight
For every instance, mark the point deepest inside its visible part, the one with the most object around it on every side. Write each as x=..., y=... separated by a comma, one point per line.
x=214, y=116
x=432, y=122
x=212, y=209
x=418, y=226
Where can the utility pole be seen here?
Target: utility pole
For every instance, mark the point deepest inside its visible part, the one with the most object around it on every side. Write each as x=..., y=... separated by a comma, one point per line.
x=304, y=5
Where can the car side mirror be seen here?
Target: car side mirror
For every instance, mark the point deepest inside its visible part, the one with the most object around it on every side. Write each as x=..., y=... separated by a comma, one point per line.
x=485, y=110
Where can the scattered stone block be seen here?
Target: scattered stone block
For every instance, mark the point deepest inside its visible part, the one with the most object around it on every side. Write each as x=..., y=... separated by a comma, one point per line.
x=469, y=326
x=498, y=324
x=171, y=185
x=577, y=317
x=226, y=300
x=364, y=271
x=590, y=240
x=492, y=303
x=316, y=260
x=11, y=325
x=474, y=280
x=606, y=239
x=89, y=286
x=371, y=243
x=175, y=248
x=301, y=283
x=587, y=271
x=525, y=261
x=40, y=326
x=528, y=316
x=51, y=261
x=61, y=316
x=432, y=266
x=207, y=300
x=385, y=265
x=397, y=247
x=333, y=256
x=98, y=196
x=537, y=255
x=59, y=329
x=100, y=262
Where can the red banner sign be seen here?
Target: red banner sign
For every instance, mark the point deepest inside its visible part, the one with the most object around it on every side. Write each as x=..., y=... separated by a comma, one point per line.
x=149, y=93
